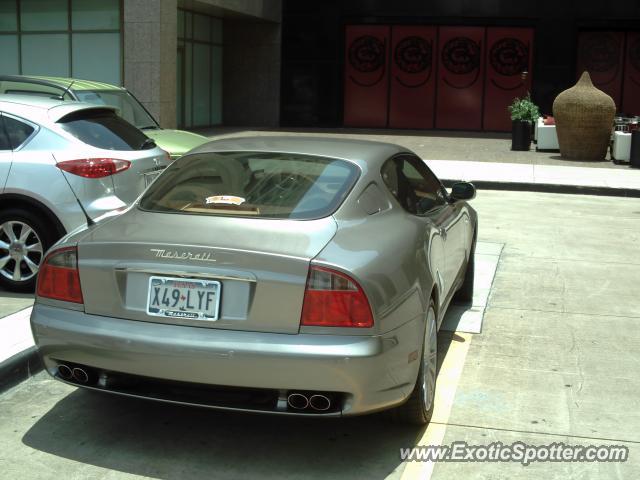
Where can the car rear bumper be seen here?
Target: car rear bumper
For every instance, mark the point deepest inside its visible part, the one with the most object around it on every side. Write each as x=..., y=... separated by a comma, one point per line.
x=368, y=373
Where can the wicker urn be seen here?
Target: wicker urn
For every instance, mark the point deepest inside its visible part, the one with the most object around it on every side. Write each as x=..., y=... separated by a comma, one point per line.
x=584, y=119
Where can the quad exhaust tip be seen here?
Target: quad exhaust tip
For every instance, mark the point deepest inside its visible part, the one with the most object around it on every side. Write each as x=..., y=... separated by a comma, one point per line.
x=300, y=401
x=320, y=402
x=65, y=372
x=80, y=375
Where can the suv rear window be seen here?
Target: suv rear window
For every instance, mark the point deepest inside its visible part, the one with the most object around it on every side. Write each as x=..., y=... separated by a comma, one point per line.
x=255, y=184
x=105, y=129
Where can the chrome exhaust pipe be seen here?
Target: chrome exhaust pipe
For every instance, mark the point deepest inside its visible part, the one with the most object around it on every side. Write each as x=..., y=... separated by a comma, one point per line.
x=65, y=372
x=320, y=402
x=298, y=401
x=80, y=375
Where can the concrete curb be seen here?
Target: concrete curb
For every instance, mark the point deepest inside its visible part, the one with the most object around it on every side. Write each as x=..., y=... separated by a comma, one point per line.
x=18, y=368
x=550, y=188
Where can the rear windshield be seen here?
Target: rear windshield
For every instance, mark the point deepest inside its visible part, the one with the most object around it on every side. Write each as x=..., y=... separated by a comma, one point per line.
x=105, y=129
x=253, y=184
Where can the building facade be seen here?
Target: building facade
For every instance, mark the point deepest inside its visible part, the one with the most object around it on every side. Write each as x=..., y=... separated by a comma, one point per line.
x=445, y=64
x=191, y=63
x=450, y=64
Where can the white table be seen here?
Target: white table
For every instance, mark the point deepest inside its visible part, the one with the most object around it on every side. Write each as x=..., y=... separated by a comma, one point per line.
x=546, y=136
x=621, y=146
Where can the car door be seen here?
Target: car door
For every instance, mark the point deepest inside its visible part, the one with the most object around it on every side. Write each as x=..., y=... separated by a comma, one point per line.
x=420, y=193
x=450, y=217
x=6, y=154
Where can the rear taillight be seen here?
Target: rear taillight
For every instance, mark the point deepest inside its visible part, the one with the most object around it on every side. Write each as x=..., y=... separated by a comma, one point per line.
x=58, y=277
x=333, y=299
x=94, y=167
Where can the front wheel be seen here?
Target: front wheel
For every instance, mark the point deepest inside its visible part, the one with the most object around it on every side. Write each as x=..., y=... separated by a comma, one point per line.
x=418, y=409
x=24, y=237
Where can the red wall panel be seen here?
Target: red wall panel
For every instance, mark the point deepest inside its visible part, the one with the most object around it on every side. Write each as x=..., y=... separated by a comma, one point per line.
x=366, y=76
x=413, y=82
x=509, y=53
x=600, y=53
x=460, y=78
x=631, y=94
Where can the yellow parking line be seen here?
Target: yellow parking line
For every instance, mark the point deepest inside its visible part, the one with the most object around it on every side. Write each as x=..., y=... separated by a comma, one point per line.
x=448, y=378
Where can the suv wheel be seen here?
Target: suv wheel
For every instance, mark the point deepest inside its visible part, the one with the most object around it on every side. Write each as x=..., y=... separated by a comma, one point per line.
x=24, y=238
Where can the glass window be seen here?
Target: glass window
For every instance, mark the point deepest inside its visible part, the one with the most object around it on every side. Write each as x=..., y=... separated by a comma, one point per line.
x=412, y=183
x=104, y=129
x=4, y=140
x=201, y=27
x=44, y=15
x=96, y=56
x=95, y=14
x=188, y=85
x=255, y=184
x=46, y=54
x=8, y=16
x=128, y=107
x=188, y=18
x=9, y=64
x=18, y=132
x=201, y=85
x=180, y=24
x=216, y=85
x=216, y=30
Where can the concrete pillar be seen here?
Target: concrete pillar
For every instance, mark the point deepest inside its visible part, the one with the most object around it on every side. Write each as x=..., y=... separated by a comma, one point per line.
x=150, y=50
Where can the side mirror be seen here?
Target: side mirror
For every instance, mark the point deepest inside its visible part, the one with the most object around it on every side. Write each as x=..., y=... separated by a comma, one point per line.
x=463, y=191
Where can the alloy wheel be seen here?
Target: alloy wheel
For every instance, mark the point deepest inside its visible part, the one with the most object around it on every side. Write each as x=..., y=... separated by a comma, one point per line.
x=430, y=359
x=20, y=251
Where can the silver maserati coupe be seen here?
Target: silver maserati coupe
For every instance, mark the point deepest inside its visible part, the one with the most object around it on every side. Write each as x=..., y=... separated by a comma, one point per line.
x=301, y=276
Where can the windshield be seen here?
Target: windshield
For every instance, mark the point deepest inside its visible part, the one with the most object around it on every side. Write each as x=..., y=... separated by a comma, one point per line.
x=257, y=184
x=128, y=107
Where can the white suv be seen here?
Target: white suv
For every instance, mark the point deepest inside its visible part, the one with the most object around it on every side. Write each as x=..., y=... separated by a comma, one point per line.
x=56, y=159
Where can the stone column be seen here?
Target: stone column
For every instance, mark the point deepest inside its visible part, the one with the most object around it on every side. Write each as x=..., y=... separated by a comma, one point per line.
x=150, y=51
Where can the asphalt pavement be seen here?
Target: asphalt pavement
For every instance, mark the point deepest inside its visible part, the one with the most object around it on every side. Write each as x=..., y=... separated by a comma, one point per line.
x=555, y=361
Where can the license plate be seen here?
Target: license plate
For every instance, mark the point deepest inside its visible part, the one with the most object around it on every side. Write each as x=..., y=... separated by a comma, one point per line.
x=183, y=298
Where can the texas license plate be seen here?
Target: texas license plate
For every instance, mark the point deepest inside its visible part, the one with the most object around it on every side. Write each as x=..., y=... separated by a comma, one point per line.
x=183, y=298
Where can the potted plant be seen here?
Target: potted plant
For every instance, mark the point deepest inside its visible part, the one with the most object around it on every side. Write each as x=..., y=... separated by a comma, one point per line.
x=523, y=115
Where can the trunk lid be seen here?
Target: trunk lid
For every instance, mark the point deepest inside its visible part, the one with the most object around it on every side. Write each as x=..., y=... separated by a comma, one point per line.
x=261, y=266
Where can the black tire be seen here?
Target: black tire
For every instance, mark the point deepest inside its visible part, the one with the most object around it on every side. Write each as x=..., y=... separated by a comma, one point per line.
x=414, y=411
x=42, y=232
x=465, y=293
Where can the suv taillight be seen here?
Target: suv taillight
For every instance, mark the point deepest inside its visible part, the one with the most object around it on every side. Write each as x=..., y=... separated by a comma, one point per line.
x=94, y=167
x=333, y=299
x=58, y=277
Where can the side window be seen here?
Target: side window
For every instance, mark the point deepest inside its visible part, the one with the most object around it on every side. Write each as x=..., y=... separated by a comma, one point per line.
x=4, y=140
x=412, y=183
x=17, y=131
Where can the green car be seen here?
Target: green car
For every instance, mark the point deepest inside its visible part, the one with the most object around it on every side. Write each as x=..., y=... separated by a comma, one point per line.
x=175, y=142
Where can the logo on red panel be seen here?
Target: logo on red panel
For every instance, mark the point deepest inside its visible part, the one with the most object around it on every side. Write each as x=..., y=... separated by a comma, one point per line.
x=367, y=54
x=413, y=54
x=509, y=56
x=461, y=55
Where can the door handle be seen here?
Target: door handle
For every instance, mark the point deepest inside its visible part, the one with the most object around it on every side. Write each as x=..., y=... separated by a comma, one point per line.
x=443, y=232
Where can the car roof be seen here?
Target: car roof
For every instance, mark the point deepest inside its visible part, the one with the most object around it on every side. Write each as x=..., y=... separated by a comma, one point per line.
x=42, y=109
x=76, y=83
x=358, y=151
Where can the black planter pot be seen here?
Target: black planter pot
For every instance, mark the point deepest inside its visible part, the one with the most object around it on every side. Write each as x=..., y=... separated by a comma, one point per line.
x=520, y=135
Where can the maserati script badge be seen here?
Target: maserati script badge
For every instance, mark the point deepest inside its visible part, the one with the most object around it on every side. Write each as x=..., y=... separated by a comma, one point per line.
x=176, y=255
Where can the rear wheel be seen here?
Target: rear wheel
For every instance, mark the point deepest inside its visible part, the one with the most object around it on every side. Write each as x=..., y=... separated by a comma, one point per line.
x=24, y=237
x=418, y=409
